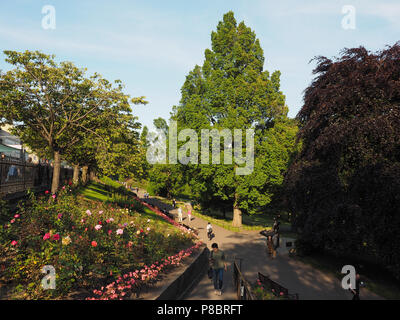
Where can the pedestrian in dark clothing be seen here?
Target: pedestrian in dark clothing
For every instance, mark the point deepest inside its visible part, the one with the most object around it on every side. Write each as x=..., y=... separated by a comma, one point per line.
x=356, y=290
x=270, y=246
x=276, y=225
x=218, y=264
x=275, y=228
x=275, y=243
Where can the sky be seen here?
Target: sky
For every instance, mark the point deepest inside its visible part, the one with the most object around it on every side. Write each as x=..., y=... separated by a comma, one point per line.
x=152, y=45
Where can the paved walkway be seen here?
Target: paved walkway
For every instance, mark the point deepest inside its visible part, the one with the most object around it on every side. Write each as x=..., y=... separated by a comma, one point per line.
x=308, y=282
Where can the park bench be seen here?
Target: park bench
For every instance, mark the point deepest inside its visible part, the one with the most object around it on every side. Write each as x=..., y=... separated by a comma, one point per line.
x=276, y=288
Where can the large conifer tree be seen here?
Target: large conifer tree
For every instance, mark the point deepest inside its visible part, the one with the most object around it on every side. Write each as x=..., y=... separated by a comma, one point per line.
x=233, y=91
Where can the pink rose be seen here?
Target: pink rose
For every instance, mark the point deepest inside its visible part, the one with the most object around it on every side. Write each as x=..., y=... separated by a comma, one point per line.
x=46, y=236
x=94, y=244
x=56, y=237
x=14, y=243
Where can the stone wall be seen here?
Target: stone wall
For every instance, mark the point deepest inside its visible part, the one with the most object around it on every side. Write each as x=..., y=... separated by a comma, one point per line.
x=183, y=284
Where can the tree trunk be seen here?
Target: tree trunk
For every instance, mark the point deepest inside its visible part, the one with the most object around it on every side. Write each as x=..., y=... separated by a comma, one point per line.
x=85, y=174
x=92, y=175
x=75, y=177
x=56, y=172
x=237, y=213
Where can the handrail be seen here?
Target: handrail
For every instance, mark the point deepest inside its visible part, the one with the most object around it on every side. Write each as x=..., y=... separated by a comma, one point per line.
x=243, y=288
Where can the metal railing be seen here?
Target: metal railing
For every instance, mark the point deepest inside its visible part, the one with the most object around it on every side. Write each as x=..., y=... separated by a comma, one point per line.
x=276, y=288
x=18, y=176
x=243, y=288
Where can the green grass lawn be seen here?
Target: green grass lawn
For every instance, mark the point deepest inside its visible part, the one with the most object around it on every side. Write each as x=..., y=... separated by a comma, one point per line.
x=95, y=191
x=256, y=222
x=140, y=184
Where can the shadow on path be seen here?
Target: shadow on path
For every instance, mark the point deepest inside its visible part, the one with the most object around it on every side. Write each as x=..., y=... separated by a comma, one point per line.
x=308, y=282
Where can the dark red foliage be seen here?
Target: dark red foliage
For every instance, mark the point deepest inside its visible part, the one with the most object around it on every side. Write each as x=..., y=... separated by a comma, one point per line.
x=344, y=186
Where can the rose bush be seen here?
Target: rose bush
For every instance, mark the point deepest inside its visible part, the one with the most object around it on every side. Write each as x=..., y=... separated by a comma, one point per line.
x=263, y=292
x=88, y=243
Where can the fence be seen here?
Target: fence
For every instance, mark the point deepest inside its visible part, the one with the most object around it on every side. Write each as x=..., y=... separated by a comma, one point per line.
x=276, y=288
x=16, y=177
x=243, y=288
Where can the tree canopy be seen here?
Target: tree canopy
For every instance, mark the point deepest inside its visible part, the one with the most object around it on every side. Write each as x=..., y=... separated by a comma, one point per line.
x=343, y=187
x=53, y=106
x=231, y=90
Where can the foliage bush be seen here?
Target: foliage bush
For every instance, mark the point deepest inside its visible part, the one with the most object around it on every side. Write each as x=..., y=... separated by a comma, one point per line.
x=262, y=292
x=3, y=211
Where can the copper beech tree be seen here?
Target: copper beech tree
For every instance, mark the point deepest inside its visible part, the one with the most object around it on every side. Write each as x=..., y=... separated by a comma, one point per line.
x=344, y=186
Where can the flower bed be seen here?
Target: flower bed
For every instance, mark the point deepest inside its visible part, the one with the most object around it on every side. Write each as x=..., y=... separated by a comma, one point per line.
x=164, y=216
x=263, y=292
x=133, y=282
x=88, y=243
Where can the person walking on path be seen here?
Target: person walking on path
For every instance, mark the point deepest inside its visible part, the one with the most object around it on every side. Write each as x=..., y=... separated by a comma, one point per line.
x=174, y=203
x=275, y=244
x=180, y=216
x=218, y=265
x=190, y=214
x=209, y=231
x=270, y=246
x=276, y=227
x=356, y=290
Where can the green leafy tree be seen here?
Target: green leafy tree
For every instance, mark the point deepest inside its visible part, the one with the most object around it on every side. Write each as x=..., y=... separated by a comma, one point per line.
x=143, y=137
x=123, y=152
x=50, y=103
x=165, y=179
x=231, y=90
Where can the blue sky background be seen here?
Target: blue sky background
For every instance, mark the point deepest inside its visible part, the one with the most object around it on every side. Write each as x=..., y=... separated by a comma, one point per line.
x=152, y=45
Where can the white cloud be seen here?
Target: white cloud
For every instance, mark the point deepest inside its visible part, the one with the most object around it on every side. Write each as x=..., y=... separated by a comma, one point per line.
x=151, y=48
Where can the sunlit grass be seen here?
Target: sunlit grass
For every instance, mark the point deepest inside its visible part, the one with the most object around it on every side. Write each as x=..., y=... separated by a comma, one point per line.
x=98, y=192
